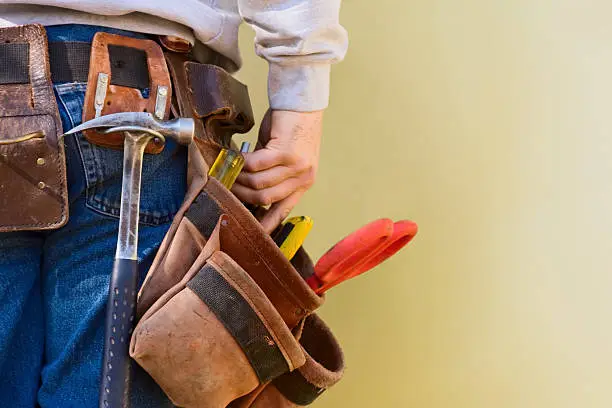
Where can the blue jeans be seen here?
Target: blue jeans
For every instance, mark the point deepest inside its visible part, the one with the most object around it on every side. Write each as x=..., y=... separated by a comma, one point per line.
x=54, y=285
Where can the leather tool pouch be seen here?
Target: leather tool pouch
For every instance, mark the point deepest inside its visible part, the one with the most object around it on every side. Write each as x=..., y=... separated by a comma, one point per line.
x=213, y=233
x=323, y=368
x=126, y=75
x=33, y=188
x=214, y=230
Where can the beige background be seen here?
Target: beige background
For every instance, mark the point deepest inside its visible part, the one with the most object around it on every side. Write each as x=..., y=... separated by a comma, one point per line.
x=489, y=123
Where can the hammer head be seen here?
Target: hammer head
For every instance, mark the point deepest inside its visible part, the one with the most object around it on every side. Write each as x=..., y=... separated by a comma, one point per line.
x=182, y=130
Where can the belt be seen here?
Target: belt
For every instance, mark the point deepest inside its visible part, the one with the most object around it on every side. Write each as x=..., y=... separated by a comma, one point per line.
x=69, y=62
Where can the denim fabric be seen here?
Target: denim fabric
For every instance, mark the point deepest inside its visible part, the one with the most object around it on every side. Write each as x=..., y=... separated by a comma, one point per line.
x=54, y=285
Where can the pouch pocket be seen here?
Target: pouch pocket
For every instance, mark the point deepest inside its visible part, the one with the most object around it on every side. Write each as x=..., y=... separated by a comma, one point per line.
x=215, y=339
x=33, y=188
x=244, y=240
x=323, y=369
x=241, y=237
x=32, y=175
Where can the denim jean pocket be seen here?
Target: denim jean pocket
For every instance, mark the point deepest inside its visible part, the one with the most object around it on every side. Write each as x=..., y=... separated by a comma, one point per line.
x=164, y=175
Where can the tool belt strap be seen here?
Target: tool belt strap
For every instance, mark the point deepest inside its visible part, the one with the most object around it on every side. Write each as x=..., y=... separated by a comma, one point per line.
x=69, y=62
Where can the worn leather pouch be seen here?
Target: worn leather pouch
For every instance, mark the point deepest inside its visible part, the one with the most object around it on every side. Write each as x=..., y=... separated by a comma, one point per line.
x=221, y=102
x=214, y=336
x=33, y=189
x=243, y=239
x=213, y=231
x=324, y=367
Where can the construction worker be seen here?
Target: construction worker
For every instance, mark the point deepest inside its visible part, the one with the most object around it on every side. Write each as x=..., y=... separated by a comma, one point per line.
x=54, y=283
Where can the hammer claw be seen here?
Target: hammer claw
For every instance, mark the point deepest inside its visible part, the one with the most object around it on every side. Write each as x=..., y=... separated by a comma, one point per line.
x=181, y=129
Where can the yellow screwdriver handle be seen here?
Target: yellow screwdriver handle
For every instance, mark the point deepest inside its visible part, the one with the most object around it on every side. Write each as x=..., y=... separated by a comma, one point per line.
x=228, y=165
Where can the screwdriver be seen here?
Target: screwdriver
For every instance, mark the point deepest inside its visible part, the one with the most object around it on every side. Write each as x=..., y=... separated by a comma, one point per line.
x=292, y=234
x=228, y=165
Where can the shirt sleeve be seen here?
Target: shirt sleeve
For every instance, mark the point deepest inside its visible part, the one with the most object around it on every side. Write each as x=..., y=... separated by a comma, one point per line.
x=300, y=39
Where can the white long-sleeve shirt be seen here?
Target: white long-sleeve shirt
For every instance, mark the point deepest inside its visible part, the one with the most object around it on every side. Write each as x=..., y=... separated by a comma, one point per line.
x=300, y=39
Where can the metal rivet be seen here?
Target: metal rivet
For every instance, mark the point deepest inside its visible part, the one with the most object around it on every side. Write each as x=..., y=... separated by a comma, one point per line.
x=40, y=161
x=41, y=185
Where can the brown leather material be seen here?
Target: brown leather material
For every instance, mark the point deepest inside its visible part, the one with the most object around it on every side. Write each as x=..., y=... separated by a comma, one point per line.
x=172, y=259
x=209, y=93
x=33, y=189
x=175, y=44
x=182, y=107
x=164, y=272
x=188, y=348
x=220, y=101
x=187, y=244
x=324, y=367
x=245, y=241
x=121, y=98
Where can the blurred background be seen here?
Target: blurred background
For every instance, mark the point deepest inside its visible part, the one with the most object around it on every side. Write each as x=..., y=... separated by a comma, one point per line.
x=489, y=124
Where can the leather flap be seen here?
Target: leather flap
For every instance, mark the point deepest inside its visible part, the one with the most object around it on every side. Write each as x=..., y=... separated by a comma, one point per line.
x=220, y=100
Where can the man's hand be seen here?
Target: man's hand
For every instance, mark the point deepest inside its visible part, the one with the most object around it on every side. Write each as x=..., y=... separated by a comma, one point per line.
x=280, y=173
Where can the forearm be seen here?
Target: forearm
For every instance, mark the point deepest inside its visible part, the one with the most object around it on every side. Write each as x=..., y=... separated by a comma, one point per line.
x=300, y=39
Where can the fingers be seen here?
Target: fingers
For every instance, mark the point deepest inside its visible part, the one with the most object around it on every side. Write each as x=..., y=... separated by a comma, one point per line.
x=264, y=159
x=279, y=211
x=268, y=196
x=266, y=178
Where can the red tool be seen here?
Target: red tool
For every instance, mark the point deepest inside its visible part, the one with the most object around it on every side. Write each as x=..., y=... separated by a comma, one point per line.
x=361, y=251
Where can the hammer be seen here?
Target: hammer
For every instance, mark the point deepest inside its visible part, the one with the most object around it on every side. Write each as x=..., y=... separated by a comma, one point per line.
x=139, y=129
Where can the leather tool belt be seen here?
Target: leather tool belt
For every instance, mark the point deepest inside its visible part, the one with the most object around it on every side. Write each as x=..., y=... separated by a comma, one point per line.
x=224, y=319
